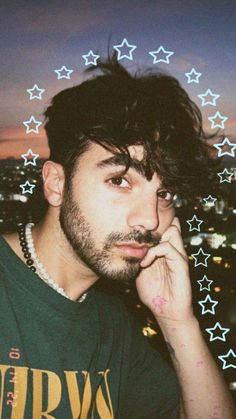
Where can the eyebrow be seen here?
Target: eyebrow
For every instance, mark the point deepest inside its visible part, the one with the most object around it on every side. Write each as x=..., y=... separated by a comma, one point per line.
x=122, y=160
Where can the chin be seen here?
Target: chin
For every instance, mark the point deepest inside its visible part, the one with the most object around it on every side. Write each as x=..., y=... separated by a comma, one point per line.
x=123, y=272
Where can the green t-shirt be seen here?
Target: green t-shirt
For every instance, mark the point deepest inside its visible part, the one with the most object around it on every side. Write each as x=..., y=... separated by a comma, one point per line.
x=66, y=360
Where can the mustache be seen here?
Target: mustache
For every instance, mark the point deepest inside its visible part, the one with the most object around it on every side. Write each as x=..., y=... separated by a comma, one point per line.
x=136, y=236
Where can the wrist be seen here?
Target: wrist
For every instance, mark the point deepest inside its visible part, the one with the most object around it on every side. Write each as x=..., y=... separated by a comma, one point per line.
x=175, y=327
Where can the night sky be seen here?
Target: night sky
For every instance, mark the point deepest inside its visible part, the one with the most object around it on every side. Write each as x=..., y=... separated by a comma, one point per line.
x=39, y=37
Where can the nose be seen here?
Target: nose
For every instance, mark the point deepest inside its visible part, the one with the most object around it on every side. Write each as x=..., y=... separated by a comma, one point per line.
x=144, y=214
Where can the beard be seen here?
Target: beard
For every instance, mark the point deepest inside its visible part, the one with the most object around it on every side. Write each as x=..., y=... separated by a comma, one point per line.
x=80, y=236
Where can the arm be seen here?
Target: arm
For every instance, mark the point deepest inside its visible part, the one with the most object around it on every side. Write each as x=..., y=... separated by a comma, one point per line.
x=164, y=287
x=204, y=392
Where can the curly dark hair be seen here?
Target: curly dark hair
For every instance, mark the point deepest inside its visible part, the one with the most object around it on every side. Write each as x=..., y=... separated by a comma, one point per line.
x=117, y=109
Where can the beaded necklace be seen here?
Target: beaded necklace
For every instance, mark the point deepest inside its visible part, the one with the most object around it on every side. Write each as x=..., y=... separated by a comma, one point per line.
x=33, y=262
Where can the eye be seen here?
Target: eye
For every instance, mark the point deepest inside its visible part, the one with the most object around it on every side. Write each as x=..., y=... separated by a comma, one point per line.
x=165, y=196
x=119, y=182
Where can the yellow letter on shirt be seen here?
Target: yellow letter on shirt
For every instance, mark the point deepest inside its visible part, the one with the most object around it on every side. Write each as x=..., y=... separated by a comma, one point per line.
x=54, y=393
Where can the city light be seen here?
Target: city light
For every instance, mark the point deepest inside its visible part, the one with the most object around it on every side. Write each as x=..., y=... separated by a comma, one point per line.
x=148, y=331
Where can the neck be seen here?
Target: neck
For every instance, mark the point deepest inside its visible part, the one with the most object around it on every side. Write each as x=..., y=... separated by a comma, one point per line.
x=59, y=259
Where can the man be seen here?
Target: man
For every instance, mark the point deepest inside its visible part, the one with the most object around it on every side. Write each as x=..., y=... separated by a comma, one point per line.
x=121, y=147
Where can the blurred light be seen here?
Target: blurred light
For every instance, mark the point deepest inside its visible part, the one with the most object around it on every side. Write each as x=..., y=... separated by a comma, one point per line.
x=232, y=291
x=216, y=240
x=217, y=259
x=138, y=305
x=232, y=385
x=195, y=241
x=211, y=229
x=149, y=332
x=18, y=197
x=127, y=290
x=217, y=289
x=227, y=265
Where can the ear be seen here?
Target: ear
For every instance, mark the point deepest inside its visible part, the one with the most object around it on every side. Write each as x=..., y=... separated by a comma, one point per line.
x=54, y=180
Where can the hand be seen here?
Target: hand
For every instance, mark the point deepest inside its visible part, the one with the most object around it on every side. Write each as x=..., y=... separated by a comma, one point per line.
x=164, y=284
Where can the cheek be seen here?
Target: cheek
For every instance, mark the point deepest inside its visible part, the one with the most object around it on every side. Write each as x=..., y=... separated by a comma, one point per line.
x=103, y=212
x=165, y=219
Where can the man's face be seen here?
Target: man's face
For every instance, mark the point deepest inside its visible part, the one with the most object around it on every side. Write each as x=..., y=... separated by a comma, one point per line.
x=110, y=219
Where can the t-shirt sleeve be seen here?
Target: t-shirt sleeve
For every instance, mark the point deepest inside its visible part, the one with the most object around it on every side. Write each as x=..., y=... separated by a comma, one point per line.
x=152, y=390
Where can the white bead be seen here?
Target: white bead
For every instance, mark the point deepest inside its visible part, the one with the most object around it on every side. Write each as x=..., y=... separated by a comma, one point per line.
x=40, y=268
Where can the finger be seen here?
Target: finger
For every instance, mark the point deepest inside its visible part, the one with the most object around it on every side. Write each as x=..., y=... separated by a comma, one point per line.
x=172, y=235
x=176, y=223
x=166, y=249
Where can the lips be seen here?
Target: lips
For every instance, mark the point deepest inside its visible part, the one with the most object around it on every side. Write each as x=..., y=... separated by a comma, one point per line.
x=134, y=250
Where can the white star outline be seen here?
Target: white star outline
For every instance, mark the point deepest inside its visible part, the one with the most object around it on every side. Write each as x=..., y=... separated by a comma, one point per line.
x=25, y=185
x=26, y=156
x=193, y=72
x=219, y=116
x=217, y=326
x=161, y=60
x=194, y=219
x=34, y=89
x=30, y=121
x=120, y=56
x=221, y=357
x=222, y=144
x=90, y=54
x=208, y=310
x=205, y=279
x=203, y=97
x=63, y=76
x=200, y=251
x=209, y=201
x=227, y=176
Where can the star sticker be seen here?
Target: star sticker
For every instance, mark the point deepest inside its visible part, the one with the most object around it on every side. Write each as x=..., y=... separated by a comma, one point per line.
x=200, y=253
x=60, y=74
x=117, y=48
x=208, y=102
x=208, y=310
x=193, y=73
x=218, y=326
x=89, y=55
x=210, y=201
x=26, y=156
x=203, y=281
x=220, y=146
x=225, y=176
x=221, y=357
x=26, y=185
x=30, y=121
x=220, y=117
x=194, y=219
x=161, y=60
x=35, y=92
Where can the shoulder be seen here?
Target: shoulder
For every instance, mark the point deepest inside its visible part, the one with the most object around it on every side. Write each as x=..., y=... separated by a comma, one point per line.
x=12, y=240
